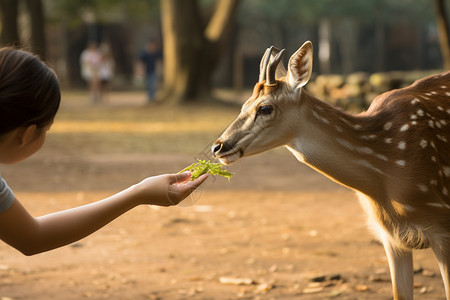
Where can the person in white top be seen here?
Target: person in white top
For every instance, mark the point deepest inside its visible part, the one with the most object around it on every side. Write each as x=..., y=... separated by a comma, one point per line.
x=90, y=61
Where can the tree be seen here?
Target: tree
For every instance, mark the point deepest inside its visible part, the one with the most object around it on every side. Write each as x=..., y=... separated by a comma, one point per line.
x=38, y=41
x=193, y=47
x=444, y=33
x=10, y=33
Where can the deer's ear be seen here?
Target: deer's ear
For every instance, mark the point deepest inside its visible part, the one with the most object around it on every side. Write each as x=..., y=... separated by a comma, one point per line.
x=300, y=66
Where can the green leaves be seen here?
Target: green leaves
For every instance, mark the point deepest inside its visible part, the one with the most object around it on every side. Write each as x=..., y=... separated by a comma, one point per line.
x=202, y=166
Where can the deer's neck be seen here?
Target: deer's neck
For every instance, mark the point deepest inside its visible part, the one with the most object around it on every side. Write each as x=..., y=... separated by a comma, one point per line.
x=339, y=145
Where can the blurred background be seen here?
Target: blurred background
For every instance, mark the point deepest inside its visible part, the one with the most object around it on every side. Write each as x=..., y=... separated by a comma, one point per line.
x=278, y=230
x=209, y=44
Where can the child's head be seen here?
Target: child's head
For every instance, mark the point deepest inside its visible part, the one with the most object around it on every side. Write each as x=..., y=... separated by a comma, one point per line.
x=29, y=91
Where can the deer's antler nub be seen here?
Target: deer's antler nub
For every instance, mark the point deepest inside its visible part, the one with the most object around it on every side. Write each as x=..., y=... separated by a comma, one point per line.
x=271, y=70
x=262, y=75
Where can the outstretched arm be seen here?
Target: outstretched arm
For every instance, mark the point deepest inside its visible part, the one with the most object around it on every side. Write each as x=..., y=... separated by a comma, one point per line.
x=32, y=235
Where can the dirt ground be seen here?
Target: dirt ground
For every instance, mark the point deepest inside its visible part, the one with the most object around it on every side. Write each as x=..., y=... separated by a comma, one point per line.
x=278, y=230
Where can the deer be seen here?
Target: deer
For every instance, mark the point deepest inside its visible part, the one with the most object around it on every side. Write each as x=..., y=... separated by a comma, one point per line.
x=395, y=155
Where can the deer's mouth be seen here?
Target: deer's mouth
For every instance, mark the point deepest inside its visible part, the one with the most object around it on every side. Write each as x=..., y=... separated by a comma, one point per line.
x=231, y=157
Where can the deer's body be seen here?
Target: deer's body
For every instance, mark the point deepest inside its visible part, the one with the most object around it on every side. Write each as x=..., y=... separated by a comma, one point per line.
x=396, y=155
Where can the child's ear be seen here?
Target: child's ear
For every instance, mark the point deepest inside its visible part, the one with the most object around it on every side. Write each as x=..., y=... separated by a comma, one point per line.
x=27, y=134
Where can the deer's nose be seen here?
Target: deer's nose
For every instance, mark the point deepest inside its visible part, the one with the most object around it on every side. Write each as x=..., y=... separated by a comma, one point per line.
x=216, y=147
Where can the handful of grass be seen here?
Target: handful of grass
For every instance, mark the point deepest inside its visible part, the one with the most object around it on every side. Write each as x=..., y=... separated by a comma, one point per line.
x=202, y=166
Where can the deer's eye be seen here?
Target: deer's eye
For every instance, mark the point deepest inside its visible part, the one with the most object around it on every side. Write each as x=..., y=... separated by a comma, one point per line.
x=264, y=110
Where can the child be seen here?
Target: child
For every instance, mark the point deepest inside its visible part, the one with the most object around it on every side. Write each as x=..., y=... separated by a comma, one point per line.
x=29, y=100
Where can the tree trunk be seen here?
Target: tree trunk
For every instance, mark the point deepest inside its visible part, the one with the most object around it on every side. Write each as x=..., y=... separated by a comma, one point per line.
x=443, y=30
x=10, y=33
x=191, y=49
x=325, y=46
x=38, y=42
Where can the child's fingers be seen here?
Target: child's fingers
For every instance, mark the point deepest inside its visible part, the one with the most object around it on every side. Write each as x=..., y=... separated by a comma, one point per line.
x=195, y=183
x=180, y=178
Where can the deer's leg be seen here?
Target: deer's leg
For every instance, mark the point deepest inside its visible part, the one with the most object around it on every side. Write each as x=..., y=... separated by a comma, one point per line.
x=401, y=268
x=443, y=258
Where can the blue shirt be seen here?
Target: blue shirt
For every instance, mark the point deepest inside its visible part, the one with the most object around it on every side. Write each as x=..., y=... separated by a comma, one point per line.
x=149, y=60
x=6, y=196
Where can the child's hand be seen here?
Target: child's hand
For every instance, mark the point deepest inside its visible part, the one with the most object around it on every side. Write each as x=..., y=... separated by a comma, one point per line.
x=168, y=189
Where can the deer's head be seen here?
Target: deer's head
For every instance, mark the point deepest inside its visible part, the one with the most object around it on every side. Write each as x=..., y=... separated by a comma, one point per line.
x=267, y=120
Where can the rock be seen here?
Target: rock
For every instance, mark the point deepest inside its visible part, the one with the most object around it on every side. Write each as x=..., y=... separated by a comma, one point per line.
x=236, y=281
x=323, y=278
x=378, y=278
x=362, y=288
x=319, y=278
x=263, y=288
x=312, y=290
x=428, y=273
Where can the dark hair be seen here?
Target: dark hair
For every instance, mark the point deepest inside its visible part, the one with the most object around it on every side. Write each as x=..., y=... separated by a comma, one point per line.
x=29, y=91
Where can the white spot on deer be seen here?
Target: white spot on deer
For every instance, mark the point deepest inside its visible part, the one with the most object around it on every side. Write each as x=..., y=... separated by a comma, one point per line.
x=431, y=123
x=443, y=122
x=443, y=86
x=365, y=150
x=401, y=163
x=387, y=126
x=428, y=94
x=438, y=125
x=447, y=94
x=404, y=127
x=388, y=140
x=445, y=191
x=420, y=113
x=448, y=111
x=345, y=144
x=433, y=158
x=402, y=145
x=318, y=117
x=423, y=188
x=413, y=123
x=413, y=117
x=357, y=126
x=367, y=164
x=446, y=170
x=438, y=205
x=440, y=108
x=442, y=138
x=434, y=93
x=368, y=137
x=434, y=182
x=423, y=143
x=338, y=128
x=409, y=208
x=382, y=157
x=433, y=145
x=415, y=100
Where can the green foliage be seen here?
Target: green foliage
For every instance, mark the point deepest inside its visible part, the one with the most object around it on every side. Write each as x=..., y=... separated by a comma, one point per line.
x=309, y=11
x=202, y=167
x=75, y=11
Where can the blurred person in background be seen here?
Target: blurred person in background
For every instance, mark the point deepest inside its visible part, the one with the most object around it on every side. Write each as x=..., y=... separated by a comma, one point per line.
x=90, y=61
x=149, y=59
x=106, y=71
